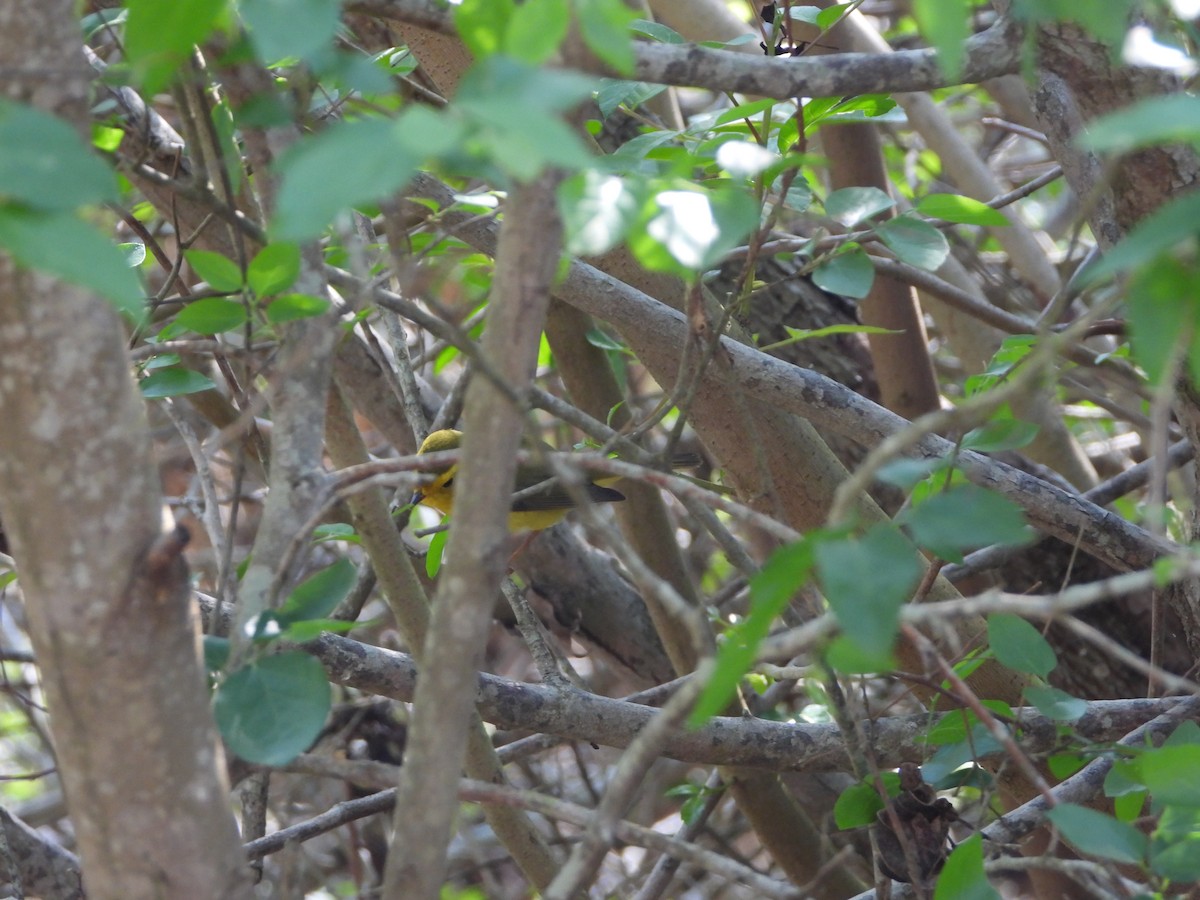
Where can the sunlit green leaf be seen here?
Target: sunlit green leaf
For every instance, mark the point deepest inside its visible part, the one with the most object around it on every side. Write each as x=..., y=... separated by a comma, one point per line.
x=221, y=273
x=274, y=268
x=1172, y=774
x=212, y=315
x=857, y=805
x=946, y=24
x=854, y=205
x=482, y=24
x=964, y=210
x=597, y=211
x=535, y=29
x=962, y=877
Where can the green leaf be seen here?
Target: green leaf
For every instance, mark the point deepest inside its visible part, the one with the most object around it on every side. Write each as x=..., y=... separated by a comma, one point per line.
x=319, y=595
x=1187, y=733
x=174, y=382
x=915, y=242
x=535, y=30
x=1064, y=765
x=1123, y=779
x=216, y=652
x=514, y=111
x=300, y=29
x=657, y=32
x=289, y=307
x=160, y=34
x=482, y=24
x=65, y=246
x=1179, y=862
x=1162, y=311
x=692, y=230
x=1106, y=19
x=964, y=517
x=604, y=26
x=212, y=315
x=866, y=581
x=1000, y=435
x=1172, y=774
x=435, y=553
x=337, y=531
x=1155, y=120
x=946, y=24
x=854, y=205
x=849, y=658
x=770, y=590
x=1019, y=645
x=1099, y=835
x=597, y=211
x=962, y=877
x=272, y=710
x=940, y=769
x=795, y=335
x=831, y=15
x=221, y=273
x=745, y=159
x=598, y=338
x=857, y=805
x=45, y=165
x=1169, y=225
x=745, y=111
x=134, y=253
x=1055, y=704
x=351, y=163
x=631, y=94
x=849, y=274
x=964, y=210
x=311, y=629
x=274, y=268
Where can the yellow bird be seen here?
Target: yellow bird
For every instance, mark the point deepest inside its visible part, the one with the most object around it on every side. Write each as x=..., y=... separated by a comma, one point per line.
x=541, y=509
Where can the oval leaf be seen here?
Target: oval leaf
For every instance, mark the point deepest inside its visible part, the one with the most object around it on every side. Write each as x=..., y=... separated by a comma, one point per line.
x=174, y=382
x=1019, y=645
x=221, y=274
x=915, y=242
x=274, y=269
x=1097, y=834
x=271, y=711
x=960, y=209
x=212, y=315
